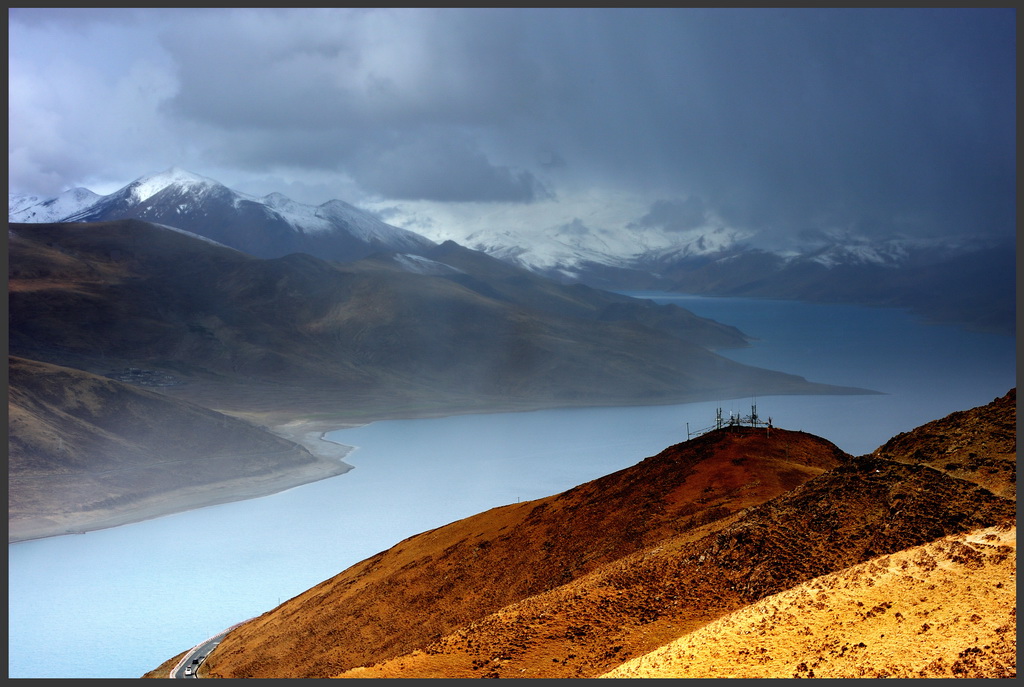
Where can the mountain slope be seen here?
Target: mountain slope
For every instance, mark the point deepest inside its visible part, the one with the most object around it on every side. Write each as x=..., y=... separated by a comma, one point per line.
x=647, y=599
x=978, y=445
x=578, y=583
x=972, y=286
x=433, y=583
x=268, y=227
x=297, y=333
x=86, y=452
x=945, y=609
x=494, y=278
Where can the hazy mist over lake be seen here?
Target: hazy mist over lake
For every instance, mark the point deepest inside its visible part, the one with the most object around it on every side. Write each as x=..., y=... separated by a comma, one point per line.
x=118, y=602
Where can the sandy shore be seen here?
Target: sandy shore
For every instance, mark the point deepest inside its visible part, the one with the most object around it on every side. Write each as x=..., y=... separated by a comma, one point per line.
x=311, y=435
x=308, y=434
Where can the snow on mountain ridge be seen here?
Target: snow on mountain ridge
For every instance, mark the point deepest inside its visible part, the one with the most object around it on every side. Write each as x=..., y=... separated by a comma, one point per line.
x=892, y=252
x=148, y=186
x=568, y=247
x=22, y=208
x=571, y=247
x=278, y=201
x=365, y=226
x=195, y=236
x=189, y=193
x=421, y=265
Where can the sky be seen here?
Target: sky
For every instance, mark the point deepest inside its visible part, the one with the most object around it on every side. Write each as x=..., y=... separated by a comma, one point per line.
x=783, y=124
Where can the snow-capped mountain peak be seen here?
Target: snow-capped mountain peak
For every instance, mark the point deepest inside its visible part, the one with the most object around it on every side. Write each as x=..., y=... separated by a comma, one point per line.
x=22, y=208
x=268, y=227
x=850, y=249
x=148, y=186
x=368, y=228
x=278, y=201
x=565, y=249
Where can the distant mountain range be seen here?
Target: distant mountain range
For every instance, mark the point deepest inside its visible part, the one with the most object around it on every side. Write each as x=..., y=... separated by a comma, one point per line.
x=973, y=288
x=268, y=227
x=968, y=283
x=437, y=329
x=745, y=552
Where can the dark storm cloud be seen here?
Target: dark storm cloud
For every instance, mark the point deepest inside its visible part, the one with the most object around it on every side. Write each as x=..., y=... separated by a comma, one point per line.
x=792, y=119
x=396, y=117
x=675, y=215
x=446, y=170
x=876, y=121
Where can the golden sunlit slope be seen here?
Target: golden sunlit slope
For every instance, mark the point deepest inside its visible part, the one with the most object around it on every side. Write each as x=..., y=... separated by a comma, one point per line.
x=844, y=516
x=578, y=583
x=942, y=609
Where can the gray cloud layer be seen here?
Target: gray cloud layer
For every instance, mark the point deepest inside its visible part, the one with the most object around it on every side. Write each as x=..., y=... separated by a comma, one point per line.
x=782, y=120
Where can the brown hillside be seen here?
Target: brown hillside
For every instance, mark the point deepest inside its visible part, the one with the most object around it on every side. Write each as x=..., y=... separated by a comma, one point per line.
x=978, y=445
x=946, y=609
x=845, y=516
x=366, y=337
x=433, y=583
x=581, y=582
x=86, y=452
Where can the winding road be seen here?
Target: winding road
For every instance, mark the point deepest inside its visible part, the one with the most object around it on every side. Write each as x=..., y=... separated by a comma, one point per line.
x=188, y=666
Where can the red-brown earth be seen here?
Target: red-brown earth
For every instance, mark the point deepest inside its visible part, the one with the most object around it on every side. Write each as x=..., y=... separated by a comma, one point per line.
x=580, y=583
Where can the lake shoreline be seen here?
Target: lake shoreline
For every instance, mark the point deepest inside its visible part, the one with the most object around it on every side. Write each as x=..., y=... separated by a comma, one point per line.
x=310, y=435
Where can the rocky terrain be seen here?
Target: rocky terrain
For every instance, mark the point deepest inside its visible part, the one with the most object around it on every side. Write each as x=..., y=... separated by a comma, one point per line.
x=663, y=569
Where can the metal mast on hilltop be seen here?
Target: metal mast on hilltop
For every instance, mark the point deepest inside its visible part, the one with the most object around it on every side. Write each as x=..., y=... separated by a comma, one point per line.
x=735, y=420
